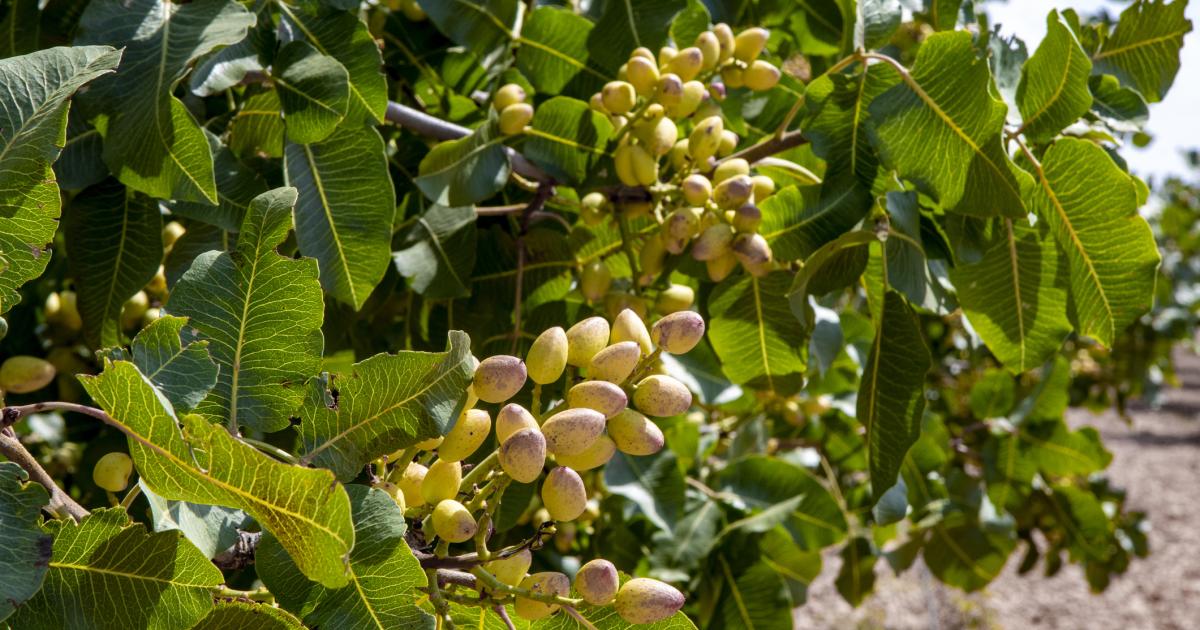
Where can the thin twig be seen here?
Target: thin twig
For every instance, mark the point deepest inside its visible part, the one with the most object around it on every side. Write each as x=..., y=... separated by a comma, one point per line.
x=61, y=504
x=502, y=613
x=771, y=146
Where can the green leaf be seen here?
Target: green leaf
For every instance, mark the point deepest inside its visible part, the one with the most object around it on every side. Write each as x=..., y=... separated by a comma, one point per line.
x=202, y=463
x=344, y=215
x=247, y=616
x=1090, y=205
x=965, y=556
x=653, y=483
x=389, y=402
x=33, y=122
x=1060, y=452
x=628, y=24
x=835, y=265
x=567, y=139
x=438, y=252
x=554, y=53
x=343, y=36
x=314, y=92
x=211, y=528
x=1016, y=295
x=1053, y=91
x=754, y=334
x=838, y=128
x=198, y=239
x=21, y=26
x=384, y=574
x=993, y=395
x=754, y=598
x=951, y=106
x=467, y=170
x=1119, y=107
x=115, y=239
x=151, y=141
x=176, y=361
x=814, y=519
x=799, y=219
x=891, y=396
x=880, y=19
x=258, y=126
x=689, y=23
x=856, y=579
x=227, y=67
x=24, y=548
x=798, y=567
x=485, y=27
x=81, y=163
x=1143, y=50
x=943, y=14
x=237, y=185
x=693, y=537
x=108, y=572
x=261, y=313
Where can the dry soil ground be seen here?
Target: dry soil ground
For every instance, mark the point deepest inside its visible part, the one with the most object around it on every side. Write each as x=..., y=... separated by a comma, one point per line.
x=1158, y=460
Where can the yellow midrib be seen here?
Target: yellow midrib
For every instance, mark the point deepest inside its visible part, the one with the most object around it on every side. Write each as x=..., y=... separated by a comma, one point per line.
x=1016, y=273
x=762, y=334
x=1138, y=44
x=123, y=574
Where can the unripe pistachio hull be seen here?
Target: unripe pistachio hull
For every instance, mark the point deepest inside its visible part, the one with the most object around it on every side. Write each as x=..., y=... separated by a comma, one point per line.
x=598, y=582
x=585, y=339
x=441, y=482
x=616, y=362
x=635, y=434
x=453, y=522
x=513, y=418
x=564, y=494
x=602, y=396
x=547, y=356
x=499, y=378
x=523, y=455
x=548, y=583
x=596, y=455
x=678, y=332
x=661, y=395
x=470, y=430
x=572, y=431
x=643, y=600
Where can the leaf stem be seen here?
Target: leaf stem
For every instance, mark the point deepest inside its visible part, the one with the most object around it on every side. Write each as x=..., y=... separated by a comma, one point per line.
x=272, y=450
x=131, y=496
x=479, y=471
x=256, y=595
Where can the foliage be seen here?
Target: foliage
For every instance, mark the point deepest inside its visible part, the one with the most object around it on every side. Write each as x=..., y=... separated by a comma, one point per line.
x=747, y=295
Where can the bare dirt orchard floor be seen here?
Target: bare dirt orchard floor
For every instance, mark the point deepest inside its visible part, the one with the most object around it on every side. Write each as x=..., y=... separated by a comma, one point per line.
x=1158, y=461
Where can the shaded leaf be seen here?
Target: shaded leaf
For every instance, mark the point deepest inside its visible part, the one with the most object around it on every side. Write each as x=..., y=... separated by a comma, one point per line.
x=237, y=186
x=115, y=236
x=467, y=170
x=554, y=53
x=211, y=528
x=754, y=598
x=437, y=253
x=247, y=616
x=799, y=219
x=258, y=126
x=627, y=24
x=891, y=396
x=345, y=210
x=856, y=579
x=754, y=334
x=1121, y=108
x=483, y=26
x=151, y=142
x=314, y=92
x=965, y=556
x=814, y=519
x=653, y=483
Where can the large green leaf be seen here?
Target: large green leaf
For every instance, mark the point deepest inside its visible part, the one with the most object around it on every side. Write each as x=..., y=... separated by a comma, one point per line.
x=202, y=463
x=151, y=141
x=554, y=53
x=891, y=396
x=390, y=401
x=567, y=139
x=944, y=132
x=176, y=361
x=943, y=14
x=755, y=598
x=258, y=127
x=211, y=528
x=344, y=215
x=856, y=579
x=467, y=170
x=1143, y=50
x=799, y=219
x=1016, y=295
x=838, y=129
x=33, y=123
x=438, y=252
x=262, y=314
x=813, y=517
x=754, y=334
x=343, y=36
x=653, y=483
x=628, y=24
x=24, y=548
x=1053, y=91
x=314, y=91
x=485, y=27
x=966, y=556
x=384, y=574
x=1090, y=205
x=247, y=616
x=682, y=548
x=115, y=236
x=237, y=185
x=107, y=572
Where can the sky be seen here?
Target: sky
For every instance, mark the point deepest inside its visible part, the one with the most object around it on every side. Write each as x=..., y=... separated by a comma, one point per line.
x=1174, y=123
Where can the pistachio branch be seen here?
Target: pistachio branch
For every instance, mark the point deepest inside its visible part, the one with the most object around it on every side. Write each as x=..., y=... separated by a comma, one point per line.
x=61, y=504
